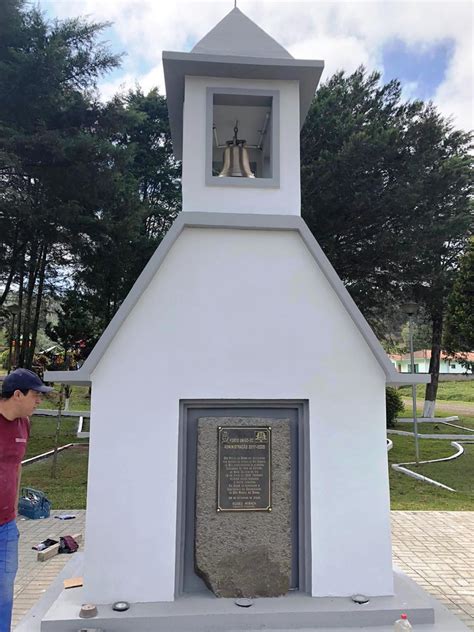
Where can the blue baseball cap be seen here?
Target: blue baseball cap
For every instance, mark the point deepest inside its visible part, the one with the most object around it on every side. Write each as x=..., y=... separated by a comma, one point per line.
x=24, y=380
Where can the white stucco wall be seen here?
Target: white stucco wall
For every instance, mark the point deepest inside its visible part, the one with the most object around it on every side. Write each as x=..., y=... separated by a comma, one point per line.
x=235, y=314
x=197, y=196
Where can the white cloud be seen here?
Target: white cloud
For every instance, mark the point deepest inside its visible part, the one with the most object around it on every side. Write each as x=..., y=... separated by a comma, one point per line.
x=455, y=96
x=118, y=85
x=340, y=53
x=344, y=34
x=409, y=90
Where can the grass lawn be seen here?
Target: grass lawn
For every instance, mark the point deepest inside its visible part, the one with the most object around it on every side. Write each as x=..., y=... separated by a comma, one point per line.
x=409, y=494
x=434, y=428
x=447, y=391
x=68, y=490
x=43, y=432
x=458, y=473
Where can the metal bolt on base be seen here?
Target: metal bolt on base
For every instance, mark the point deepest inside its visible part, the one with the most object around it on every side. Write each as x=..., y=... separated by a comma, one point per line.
x=243, y=603
x=88, y=610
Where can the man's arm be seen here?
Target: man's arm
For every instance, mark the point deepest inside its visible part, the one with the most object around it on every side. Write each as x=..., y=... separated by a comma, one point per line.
x=19, y=467
x=18, y=487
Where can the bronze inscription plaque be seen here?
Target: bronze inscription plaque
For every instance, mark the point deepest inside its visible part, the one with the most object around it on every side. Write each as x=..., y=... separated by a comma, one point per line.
x=244, y=471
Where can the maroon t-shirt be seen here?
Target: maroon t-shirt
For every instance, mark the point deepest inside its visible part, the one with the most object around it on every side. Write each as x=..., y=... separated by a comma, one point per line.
x=13, y=438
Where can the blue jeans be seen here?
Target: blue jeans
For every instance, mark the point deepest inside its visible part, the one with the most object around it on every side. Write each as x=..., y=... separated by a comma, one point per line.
x=8, y=567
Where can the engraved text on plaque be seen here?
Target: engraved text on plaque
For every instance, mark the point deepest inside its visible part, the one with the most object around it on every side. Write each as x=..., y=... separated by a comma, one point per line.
x=244, y=468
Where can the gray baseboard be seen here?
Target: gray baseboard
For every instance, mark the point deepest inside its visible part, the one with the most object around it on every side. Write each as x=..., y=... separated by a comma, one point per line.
x=58, y=611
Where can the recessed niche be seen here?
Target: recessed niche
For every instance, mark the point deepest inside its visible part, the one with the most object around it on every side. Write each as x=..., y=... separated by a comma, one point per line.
x=243, y=143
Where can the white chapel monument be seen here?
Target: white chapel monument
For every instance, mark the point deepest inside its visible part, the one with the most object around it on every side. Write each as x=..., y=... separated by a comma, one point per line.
x=238, y=439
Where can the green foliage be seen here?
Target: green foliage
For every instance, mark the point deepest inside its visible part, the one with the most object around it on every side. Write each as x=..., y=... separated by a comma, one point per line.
x=89, y=188
x=459, y=333
x=138, y=214
x=355, y=168
x=394, y=405
x=4, y=359
x=386, y=190
x=421, y=336
x=52, y=162
x=75, y=329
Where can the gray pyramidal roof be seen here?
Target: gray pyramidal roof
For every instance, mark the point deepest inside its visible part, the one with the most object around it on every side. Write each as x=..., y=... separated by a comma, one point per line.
x=235, y=221
x=236, y=34
x=235, y=48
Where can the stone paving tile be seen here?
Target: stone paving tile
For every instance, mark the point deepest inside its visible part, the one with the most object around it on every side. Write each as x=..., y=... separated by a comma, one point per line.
x=33, y=577
x=435, y=548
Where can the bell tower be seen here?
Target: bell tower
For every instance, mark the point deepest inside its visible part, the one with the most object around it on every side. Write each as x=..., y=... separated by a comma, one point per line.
x=237, y=103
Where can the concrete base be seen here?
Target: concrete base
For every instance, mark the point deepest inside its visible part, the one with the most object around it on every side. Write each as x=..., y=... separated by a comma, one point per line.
x=58, y=611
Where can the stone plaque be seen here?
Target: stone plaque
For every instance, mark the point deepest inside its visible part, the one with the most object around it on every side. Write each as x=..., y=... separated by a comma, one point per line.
x=244, y=476
x=243, y=553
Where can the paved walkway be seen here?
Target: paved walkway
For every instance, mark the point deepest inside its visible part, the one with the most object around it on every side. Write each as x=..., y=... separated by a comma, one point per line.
x=435, y=548
x=34, y=577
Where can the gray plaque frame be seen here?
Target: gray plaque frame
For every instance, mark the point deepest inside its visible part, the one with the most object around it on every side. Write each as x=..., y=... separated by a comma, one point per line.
x=301, y=407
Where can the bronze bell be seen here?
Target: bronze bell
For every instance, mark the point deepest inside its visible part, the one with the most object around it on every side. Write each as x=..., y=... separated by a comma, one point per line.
x=236, y=159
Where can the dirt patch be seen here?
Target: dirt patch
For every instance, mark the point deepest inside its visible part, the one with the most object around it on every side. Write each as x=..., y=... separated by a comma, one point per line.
x=458, y=408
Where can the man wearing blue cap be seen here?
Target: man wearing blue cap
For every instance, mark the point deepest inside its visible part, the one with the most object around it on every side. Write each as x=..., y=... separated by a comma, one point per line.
x=21, y=394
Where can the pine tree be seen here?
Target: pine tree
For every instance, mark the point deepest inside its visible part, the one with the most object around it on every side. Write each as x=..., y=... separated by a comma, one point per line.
x=459, y=331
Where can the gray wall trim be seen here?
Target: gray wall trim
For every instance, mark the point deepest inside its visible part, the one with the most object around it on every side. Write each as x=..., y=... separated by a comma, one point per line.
x=214, y=181
x=177, y=65
x=304, y=479
x=409, y=378
x=243, y=222
x=304, y=521
x=180, y=502
x=79, y=378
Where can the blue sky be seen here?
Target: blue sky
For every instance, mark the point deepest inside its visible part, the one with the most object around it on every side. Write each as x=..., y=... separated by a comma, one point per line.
x=421, y=71
x=426, y=45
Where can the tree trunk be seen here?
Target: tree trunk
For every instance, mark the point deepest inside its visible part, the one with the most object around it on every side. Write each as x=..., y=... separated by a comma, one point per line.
x=39, y=298
x=67, y=396
x=54, y=468
x=432, y=387
x=32, y=274
x=16, y=252
x=15, y=362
